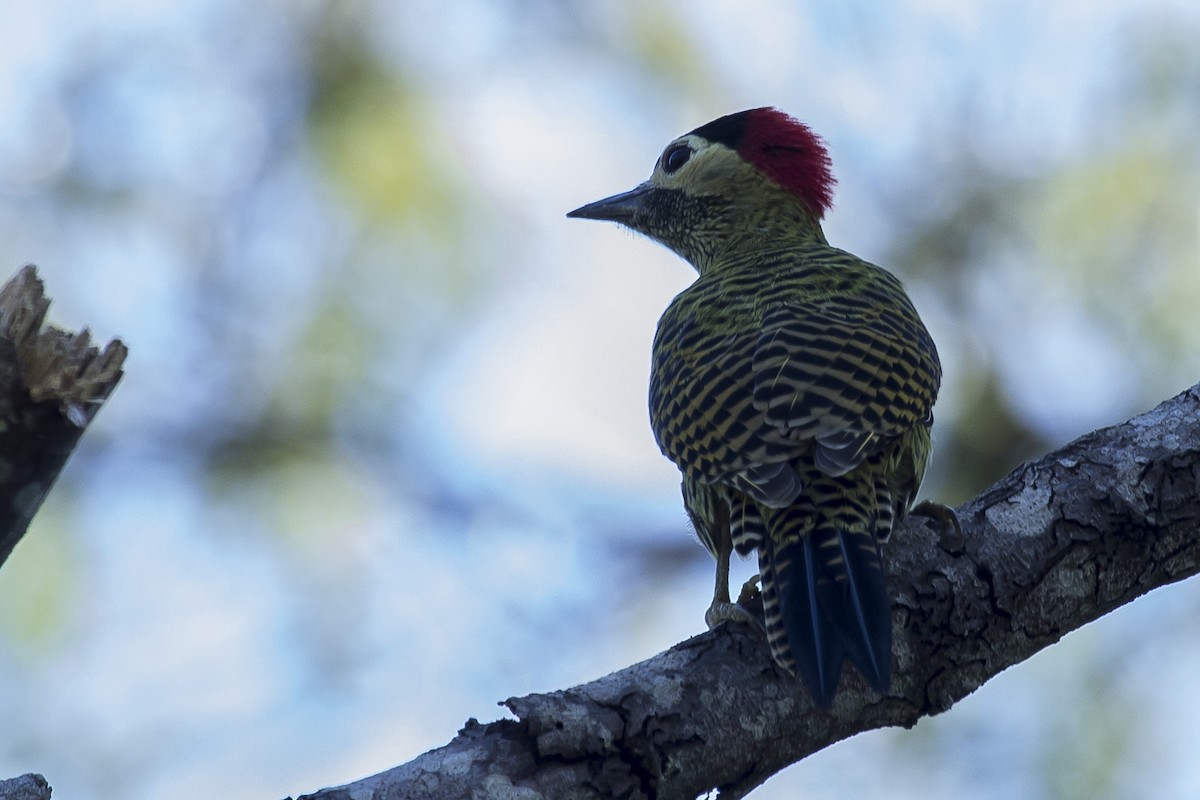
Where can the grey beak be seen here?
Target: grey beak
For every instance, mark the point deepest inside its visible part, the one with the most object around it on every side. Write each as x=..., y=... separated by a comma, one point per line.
x=618, y=208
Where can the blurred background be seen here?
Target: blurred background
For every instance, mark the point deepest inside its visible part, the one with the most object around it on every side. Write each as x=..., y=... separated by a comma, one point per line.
x=381, y=456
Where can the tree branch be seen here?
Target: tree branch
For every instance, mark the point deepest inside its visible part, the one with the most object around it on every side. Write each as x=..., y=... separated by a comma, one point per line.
x=25, y=787
x=51, y=385
x=1054, y=545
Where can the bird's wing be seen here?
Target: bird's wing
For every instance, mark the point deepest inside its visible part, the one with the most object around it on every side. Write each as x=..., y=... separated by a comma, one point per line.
x=838, y=376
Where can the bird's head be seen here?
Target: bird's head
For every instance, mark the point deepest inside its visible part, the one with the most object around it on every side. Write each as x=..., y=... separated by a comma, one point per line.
x=747, y=177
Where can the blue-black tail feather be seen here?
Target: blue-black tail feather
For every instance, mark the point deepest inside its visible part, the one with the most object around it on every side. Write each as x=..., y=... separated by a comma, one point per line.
x=853, y=594
x=815, y=645
x=825, y=598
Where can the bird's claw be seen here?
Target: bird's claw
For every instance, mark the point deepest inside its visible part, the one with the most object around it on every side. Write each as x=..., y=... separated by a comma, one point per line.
x=720, y=612
x=948, y=518
x=746, y=611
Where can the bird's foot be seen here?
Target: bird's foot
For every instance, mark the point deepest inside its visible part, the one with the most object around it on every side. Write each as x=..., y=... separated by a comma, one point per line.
x=743, y=612
x=720, y=612
x=946, y=516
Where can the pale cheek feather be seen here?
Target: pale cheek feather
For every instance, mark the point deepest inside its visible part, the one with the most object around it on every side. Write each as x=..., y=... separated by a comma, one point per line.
x=712, y=170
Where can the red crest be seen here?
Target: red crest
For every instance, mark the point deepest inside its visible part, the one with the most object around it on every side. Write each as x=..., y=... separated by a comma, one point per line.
x=782, y=148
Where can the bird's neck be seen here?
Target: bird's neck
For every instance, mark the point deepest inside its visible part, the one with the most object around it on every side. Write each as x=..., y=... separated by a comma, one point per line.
x=762, y=235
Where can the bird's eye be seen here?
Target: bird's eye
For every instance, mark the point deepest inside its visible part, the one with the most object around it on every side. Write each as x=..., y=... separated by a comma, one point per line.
x=675, y=158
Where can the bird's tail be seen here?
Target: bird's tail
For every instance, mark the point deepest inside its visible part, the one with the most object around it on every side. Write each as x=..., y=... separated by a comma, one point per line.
x=824, y=595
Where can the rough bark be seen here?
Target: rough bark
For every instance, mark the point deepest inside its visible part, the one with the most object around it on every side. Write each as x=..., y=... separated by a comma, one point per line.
x=25, y=787
x=1054, y=545
x=51, y=385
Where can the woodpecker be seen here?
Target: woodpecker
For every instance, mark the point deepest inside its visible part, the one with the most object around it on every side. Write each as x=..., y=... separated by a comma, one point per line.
x=792, y=383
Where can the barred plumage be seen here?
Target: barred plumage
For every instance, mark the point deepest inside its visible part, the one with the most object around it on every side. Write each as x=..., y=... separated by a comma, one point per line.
x=792, y=384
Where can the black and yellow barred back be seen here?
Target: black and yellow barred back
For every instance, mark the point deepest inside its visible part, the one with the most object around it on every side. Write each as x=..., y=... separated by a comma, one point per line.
x=794, y=391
